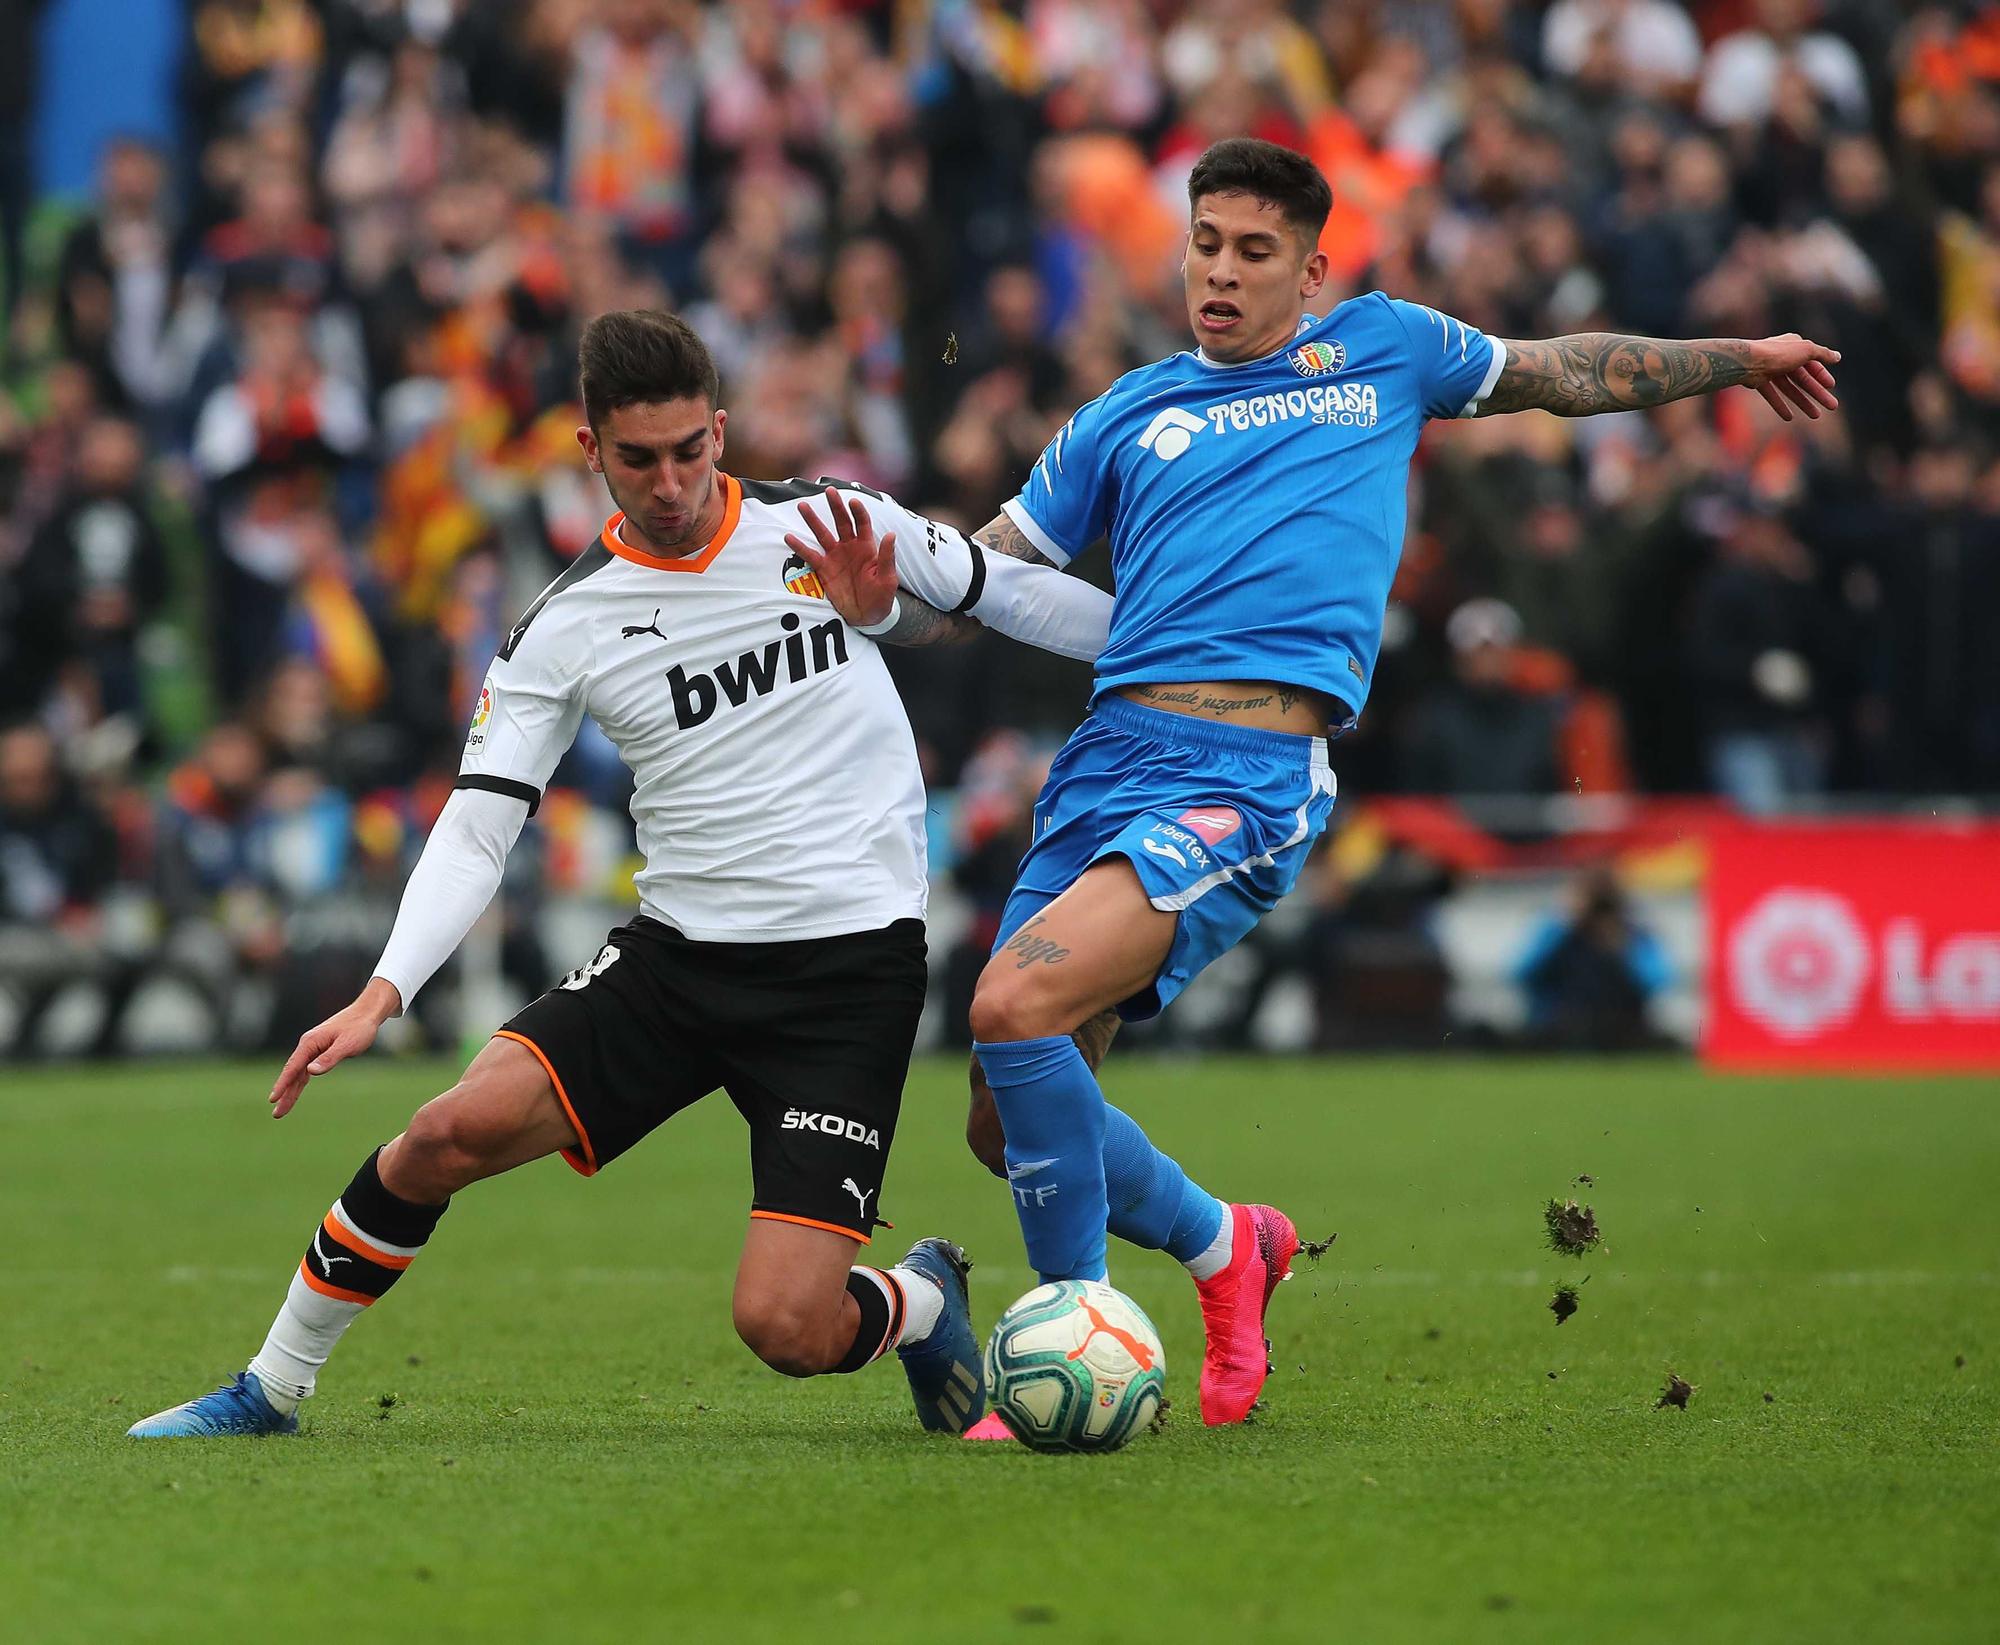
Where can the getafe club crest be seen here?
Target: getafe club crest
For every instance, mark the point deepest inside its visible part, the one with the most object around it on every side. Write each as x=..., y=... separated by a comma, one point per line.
x=1318, y=359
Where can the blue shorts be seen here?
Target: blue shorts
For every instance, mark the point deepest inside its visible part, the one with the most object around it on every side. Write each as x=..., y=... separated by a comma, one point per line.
x=1217, y=820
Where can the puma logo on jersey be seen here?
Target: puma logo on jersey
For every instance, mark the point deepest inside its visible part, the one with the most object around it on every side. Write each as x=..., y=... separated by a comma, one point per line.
x=697, y=695
x=630, y=630
x=860, y=1198
x=325, y=1261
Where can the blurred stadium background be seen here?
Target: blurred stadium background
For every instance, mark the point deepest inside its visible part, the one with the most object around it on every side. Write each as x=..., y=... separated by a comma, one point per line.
x=291, y=296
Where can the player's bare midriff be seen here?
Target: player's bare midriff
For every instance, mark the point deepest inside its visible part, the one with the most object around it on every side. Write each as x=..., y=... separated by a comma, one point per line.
x=1263, y=705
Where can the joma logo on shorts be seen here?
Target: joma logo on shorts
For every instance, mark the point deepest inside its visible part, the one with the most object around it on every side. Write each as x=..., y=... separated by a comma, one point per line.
x=832, y=1125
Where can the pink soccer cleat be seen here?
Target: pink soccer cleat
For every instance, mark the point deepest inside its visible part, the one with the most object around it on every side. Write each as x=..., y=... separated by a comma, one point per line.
x=989, y=1427
x=1237, y=1357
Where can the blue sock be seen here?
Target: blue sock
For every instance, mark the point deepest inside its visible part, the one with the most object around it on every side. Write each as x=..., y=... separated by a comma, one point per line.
x=1154, y=1203
x=1053, y=1114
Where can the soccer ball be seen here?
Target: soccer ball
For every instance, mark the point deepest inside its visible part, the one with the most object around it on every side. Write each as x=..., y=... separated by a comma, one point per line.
x=1075, y=1366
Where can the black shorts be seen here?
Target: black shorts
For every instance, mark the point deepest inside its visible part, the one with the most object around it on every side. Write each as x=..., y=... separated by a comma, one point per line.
x=810, y=1039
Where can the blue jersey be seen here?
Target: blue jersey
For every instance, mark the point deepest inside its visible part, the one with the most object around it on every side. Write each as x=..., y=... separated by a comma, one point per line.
x=1256, y=510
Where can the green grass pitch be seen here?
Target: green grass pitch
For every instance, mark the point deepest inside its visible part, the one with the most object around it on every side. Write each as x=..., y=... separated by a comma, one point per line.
x=579, y=1450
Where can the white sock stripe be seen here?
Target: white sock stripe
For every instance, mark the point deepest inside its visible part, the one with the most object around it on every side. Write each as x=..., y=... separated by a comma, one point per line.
x=1207, y=1263
x=923, y=1303
x=302, y=1337
x=340, y=1216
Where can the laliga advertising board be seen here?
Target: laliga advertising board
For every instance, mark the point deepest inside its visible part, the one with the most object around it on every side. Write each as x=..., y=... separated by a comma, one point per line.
x=1868, y=947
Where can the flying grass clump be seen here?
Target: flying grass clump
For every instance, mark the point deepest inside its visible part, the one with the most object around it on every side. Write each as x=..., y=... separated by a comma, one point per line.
x=1314, y=1249
x=1564, y=1302
x=1572, y=1228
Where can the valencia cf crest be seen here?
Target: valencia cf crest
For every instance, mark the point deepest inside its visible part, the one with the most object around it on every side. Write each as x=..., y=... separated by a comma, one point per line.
x=1318, y=359
x=800, y=578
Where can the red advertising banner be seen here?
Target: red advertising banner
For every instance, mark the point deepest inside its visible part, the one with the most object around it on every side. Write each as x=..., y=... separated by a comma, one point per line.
x=1866, y=947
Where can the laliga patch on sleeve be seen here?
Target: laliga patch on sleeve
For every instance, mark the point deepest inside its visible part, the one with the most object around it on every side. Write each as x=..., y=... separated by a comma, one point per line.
x=1214, y=823
x=476, y=738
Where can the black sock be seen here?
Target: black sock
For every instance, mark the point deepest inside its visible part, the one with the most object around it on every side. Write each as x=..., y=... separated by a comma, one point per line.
x=346, y=1259
x=880, y=1299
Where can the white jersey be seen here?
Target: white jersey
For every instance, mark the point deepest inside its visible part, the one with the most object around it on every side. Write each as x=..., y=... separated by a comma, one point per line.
x=778, y=794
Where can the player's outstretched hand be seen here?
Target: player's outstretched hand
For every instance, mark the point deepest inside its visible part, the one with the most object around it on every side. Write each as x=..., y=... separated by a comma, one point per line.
x=341, y=1036
x=857, y=572
x=1793, y=371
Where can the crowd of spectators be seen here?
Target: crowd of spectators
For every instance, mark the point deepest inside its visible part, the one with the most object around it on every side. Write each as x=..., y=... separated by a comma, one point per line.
x=288, y=429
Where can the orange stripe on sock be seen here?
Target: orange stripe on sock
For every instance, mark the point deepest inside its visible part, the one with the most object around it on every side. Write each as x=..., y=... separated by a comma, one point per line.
x=361, y=1247
x=587, y=1165
x=899, y=1310
x=333, y=1291
x=808, y=1222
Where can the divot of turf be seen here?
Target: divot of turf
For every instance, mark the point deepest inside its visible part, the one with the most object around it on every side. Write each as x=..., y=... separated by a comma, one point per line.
x=1677, y=1393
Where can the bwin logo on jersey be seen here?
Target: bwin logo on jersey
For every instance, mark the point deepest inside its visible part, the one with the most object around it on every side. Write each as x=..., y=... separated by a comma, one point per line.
x=756, y=673
x=1170, y=433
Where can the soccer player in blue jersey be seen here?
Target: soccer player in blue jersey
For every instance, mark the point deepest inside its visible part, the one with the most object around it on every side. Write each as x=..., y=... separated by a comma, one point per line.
x=1253, y=492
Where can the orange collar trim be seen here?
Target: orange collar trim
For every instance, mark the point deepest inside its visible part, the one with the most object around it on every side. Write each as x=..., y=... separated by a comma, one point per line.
x=732, y=509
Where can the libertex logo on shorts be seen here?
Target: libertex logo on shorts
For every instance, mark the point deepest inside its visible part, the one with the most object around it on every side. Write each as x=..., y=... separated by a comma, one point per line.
x=1187, y=839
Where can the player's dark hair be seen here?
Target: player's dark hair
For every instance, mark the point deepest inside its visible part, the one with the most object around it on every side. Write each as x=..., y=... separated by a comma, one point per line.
x=1266, y=172
x=639, y=356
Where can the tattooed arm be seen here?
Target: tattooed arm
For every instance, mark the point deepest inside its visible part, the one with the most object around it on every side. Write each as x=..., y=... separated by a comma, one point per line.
x=1000, y=535
x=1601, y=371
x=946, y=587
x=921, y=624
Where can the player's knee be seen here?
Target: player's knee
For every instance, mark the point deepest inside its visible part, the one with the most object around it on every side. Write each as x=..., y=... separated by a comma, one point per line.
x=785, y=1337
x=1009, y=1004
x=444, y=1148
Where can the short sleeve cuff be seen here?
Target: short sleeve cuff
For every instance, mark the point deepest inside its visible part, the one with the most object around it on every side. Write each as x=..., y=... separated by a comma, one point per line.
x=501, y=785
x=1017, y=511
x=1494, y=367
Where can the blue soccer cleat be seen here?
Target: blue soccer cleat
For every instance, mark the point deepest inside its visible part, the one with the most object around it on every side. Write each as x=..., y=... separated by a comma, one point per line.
x=237, y=1407
x=947, y=1374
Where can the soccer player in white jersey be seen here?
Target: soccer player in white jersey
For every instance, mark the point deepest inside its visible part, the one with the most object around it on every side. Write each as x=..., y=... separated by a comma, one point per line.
x=778, y=951
x=1253, y=491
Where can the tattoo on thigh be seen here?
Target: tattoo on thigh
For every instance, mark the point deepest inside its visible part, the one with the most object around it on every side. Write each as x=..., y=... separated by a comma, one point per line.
x=1033, y=949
